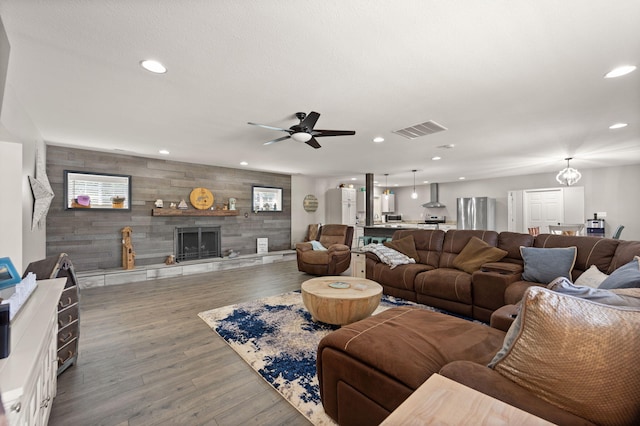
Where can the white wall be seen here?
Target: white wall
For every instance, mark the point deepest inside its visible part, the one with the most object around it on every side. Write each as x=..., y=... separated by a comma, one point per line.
x=608, y=189
x=301, y=186
x=17, y=127
x=10, y=206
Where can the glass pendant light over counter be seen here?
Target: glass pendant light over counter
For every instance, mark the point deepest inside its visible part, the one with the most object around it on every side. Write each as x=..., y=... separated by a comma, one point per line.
x=414, y=194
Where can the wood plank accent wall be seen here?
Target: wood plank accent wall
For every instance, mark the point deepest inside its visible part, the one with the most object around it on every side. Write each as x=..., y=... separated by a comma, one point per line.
x=92, y=239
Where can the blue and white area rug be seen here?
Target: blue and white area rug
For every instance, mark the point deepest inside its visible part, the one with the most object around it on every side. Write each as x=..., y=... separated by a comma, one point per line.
x=277, y=338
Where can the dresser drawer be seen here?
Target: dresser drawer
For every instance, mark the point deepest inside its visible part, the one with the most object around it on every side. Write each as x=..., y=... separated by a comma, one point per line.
x=67, y=352
x=67, y=316
x=67, y=334
x=68, y=298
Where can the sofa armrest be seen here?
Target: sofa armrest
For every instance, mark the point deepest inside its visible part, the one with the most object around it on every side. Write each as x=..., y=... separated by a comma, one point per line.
x=489, y=288
x=303, y=247
x=503, y=268
x=503, y=317
x=338, y=249
x=485, y=380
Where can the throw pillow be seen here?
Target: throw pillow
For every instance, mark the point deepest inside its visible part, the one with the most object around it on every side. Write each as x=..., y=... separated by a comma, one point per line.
x=406, y=245
x=543, y=265
x=575, y=354
x=388, y=255
x=627, y=276
x=608, y=297
x=475, y=254
x=592, y=277
x=317, y=245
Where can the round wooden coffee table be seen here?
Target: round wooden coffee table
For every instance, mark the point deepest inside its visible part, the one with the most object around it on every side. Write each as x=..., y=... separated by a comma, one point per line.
x=328, y=302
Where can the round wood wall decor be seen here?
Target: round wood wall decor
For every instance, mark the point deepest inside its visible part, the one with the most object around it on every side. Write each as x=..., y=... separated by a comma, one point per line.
x=310, y=203
x=201, y=198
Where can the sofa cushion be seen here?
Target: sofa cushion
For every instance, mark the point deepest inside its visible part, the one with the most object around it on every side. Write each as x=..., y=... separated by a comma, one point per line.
x=627, y=276
x=456, y=239
x=475, y=254
x=575, y=354
x=608, y=297
x=405, y=245
x=428, y=244
x=592, y=277
x=543, y=265
x=409, y=344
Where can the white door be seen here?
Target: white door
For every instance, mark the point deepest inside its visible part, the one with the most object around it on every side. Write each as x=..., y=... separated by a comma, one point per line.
x=543, y=208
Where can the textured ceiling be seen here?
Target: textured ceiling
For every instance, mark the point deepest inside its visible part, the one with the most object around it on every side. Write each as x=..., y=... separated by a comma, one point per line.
x=518, y=83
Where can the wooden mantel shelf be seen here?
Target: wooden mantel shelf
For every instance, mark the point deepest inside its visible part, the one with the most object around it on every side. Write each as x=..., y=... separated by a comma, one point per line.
x=193, y=212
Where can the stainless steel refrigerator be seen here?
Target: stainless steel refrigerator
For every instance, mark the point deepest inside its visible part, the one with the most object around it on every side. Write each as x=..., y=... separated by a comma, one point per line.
x=477, y=213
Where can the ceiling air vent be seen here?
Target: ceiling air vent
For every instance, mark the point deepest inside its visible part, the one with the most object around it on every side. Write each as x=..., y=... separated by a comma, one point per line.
x=423, y=129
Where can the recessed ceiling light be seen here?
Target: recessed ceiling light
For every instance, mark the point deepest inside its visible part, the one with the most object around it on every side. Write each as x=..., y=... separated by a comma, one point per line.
x=461, y=178
x=447, y=146
x=244, y=163
x=375, y=182
x=620, y=71
x=354, y=178
x=378, y=139
x=618, y=126
x=436, y=158
x=425, y=181
x=395, y=184
x=164, y=152
x=153, y=66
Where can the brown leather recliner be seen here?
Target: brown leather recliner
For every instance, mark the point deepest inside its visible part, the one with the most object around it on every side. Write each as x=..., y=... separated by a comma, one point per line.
x=333, y=261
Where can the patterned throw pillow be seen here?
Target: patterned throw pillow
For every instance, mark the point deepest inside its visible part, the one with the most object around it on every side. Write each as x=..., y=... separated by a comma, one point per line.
x=388, y=255
x=575, y=354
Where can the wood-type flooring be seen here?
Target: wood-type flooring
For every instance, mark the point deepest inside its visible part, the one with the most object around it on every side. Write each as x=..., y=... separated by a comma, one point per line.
x=146, y=358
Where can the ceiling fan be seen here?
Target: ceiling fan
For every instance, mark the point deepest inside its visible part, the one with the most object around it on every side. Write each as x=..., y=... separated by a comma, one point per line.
x=304, y=132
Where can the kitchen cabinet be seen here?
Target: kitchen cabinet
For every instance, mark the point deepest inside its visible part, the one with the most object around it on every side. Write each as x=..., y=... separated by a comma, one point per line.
x=341, y=206
x=29, y=374
x=388, y=203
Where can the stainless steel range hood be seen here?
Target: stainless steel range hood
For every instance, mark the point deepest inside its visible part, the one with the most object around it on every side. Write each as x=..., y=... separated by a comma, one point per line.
x=434, y=203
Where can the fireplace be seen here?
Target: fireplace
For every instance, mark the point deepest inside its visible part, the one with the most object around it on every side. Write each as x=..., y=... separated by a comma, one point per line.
x=197, y=242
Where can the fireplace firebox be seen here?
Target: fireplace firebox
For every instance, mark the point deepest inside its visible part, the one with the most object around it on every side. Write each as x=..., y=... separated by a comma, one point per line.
x=197, y=242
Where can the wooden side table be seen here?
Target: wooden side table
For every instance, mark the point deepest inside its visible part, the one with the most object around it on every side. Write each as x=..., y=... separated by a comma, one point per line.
x=440, y=400
x=358, y=264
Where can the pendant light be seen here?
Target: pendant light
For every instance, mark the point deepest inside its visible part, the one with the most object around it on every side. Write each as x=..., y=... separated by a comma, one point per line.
x=568, y=176
x=414, y=194
x=386, y=187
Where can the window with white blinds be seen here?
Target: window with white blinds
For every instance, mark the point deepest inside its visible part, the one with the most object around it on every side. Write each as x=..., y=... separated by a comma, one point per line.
x=103, y=191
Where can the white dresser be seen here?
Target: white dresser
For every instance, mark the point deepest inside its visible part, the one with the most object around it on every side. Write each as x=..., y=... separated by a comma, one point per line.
x=28, y=375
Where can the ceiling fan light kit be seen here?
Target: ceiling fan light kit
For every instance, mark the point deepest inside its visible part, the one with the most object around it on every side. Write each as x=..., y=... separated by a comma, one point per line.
x=304, y=131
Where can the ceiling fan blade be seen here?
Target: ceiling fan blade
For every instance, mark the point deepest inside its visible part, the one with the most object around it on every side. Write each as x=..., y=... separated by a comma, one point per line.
x=310, y=120
x=277, y=140
x=313, y=142
x=318, y=133
x=269, y=127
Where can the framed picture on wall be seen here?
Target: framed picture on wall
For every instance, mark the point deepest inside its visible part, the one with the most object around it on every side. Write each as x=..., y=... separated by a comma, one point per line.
x=266, y=199
x=8, y=274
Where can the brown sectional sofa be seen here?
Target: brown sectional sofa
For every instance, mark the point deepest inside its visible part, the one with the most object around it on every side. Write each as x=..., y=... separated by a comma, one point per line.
x=363, y=379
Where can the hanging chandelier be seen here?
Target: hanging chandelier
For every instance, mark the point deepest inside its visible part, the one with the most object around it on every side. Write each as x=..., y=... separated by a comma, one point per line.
x=414, y=194
x=568, y=176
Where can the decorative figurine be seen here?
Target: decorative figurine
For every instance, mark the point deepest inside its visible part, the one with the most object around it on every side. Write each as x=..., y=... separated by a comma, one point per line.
x=232, y=203
x=159, y=204
x=128, y=255
x=183, y=205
